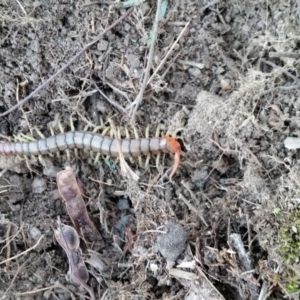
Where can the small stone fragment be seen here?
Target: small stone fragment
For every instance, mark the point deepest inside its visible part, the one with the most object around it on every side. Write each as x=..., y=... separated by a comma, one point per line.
x=172, y=244
x=225, y=84
x=38, y=185
x=123, y=204
x=194, y=72
x=35, y=233
x=292, y=143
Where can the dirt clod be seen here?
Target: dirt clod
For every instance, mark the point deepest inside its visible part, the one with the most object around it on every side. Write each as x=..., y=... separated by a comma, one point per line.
x=172, y=243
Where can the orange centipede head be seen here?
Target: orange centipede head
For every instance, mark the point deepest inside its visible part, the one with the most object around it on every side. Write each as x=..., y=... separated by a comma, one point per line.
x=174, y=147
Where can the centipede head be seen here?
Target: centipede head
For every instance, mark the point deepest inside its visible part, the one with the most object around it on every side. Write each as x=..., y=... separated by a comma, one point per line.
x=174, y=147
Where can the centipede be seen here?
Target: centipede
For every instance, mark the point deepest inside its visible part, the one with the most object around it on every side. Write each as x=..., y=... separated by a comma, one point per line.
x=97, y=143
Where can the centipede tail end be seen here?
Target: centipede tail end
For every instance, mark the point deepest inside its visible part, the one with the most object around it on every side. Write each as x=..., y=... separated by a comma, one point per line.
x=174, y=147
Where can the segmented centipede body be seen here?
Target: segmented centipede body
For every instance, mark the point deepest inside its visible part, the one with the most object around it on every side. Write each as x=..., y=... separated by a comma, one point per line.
x=97, y=143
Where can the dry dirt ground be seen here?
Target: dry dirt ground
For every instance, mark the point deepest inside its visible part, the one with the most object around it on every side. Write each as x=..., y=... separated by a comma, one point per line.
x=228, y=225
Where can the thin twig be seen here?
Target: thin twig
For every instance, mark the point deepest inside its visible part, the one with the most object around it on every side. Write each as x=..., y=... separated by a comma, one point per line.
x=15, y=277
x=86, y=47
x=278, y=88
x=209, y=5
x=8, y=243
x=168, y=53
x=24, y=252
x=112, y=102
x=139, y=97
x=285, y=54
x=54, y=286
x=193, y=208
x=281, y=69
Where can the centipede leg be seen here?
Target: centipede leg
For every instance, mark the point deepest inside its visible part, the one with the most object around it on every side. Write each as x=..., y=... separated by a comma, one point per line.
x=103, y=132
x=157, y=162
x=62, y=130
x=148, y=157
x=24, y=138
x=73, y=129
x=127, y=134
x=41, y=135
x=136, y=135
x=53, y=133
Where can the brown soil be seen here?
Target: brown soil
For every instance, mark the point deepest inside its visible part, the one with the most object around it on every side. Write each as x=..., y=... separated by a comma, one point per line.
x=227, y=226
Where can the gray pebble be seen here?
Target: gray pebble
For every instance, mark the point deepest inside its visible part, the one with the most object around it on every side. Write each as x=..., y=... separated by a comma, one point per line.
x=35, y=233
x=38, y=185
x=123, y=204
x=194, y=72
x=172, y=244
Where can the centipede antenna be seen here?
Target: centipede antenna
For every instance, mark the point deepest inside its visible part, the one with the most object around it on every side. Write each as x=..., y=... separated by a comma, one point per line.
x=175, y=132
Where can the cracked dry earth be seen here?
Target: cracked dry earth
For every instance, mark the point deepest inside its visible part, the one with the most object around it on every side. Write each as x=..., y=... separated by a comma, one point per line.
x=227, y=226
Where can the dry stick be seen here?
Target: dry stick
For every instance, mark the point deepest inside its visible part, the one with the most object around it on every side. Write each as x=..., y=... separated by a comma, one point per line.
x=281, y=69
x=8, y=243
x=285, y=54
x=139, y=97
x=111, y=101
x=168, y=53
x=24, y=252
x=138, y=100
x=15, y=277
x=54, y=286
x=86, y=47
x=209, y=5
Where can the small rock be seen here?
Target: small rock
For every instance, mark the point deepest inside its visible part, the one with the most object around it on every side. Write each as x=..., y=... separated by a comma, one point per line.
x=51, y=171
x=38, y=185
x=292, y=143
x=172, y=244
x=35, y=233
x=123, y=204
x=225, y=85
x=102, y=45
x=133, y=61
x=194, y=72
x=35, y=46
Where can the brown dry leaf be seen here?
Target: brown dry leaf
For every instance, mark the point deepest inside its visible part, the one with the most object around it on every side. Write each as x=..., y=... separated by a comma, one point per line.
x=70, y=192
